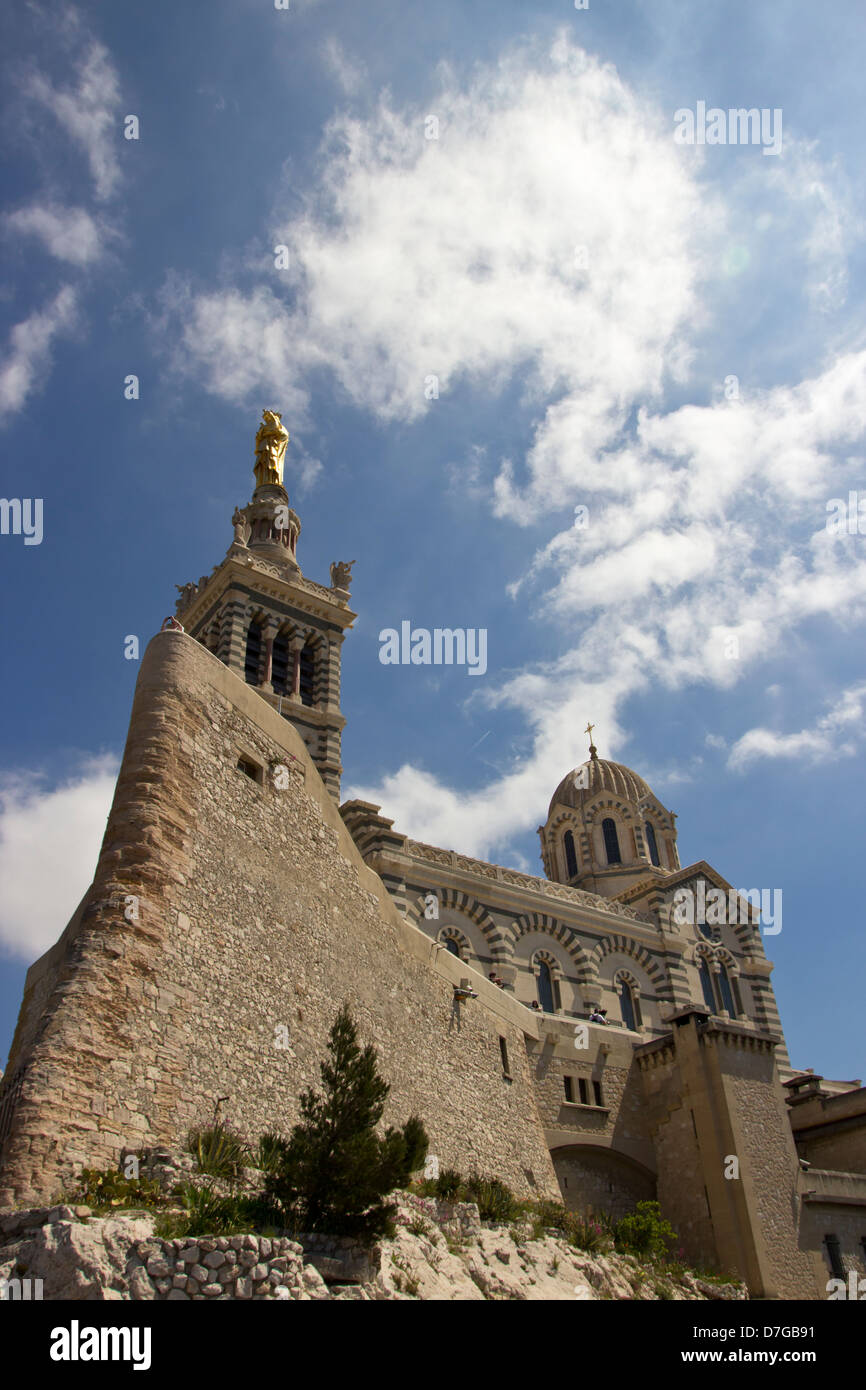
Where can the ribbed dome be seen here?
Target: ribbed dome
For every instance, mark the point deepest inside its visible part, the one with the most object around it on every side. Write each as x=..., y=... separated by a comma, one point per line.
x=602, y=776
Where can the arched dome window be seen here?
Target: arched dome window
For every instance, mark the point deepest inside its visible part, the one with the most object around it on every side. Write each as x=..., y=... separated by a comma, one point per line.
x=570, y=855
x=451, y=945
x=707, y=986
x=727, y=996
x=545, y=988
x=611, y=842
x=651, y=843
x=253, y=657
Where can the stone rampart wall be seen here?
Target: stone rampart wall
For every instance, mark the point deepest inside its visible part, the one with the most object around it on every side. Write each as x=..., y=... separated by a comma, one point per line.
x=254, y=919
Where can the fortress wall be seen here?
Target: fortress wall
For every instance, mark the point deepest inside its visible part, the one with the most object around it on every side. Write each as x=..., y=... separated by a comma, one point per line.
x=844, y=1149
x=769, y=1166
x=620, y=1123
x=846, y=1222
x=257, y=918
x=39, y=983
x=681, y=1184
x=728, y=1169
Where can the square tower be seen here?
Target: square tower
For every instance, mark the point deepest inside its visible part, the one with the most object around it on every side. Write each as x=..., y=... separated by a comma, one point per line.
x=279, y=631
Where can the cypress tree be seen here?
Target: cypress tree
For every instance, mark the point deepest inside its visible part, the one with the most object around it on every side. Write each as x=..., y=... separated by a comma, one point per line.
x=333, y=1172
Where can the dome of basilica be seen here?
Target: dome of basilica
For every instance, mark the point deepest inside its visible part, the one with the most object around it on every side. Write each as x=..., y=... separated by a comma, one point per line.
x=596, y=775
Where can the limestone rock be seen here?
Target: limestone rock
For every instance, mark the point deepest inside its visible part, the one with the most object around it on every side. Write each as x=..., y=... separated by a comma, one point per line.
x=440, y=1251
x=85, y=1261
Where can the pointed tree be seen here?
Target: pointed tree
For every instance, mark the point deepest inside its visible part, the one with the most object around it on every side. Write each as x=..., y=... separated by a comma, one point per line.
x=333, y=1172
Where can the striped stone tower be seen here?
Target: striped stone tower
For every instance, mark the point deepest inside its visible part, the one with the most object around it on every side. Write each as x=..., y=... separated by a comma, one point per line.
x=279, y=631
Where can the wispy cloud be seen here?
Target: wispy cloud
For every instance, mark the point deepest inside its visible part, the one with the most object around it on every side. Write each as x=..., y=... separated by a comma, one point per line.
x=87, y=111
x=24, y=368
x=68, y=234
x=66, y=822
x=837, y=734
x=349, y=75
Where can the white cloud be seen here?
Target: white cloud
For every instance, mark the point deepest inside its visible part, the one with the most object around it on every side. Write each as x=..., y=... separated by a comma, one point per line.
x=457, y=256
x=837, y=734
x=307, y=471
x=467, y=479
x=241, y=344
x=717, y=489
x=70, y=234
x=88, y=110
x=62, y=827
x=826, y=228
x=28, y=358
x=350, y=76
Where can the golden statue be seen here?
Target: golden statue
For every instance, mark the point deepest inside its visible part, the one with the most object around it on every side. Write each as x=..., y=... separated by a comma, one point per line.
x=271, y=442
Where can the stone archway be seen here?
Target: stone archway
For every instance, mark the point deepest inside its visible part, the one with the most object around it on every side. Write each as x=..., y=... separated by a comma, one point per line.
x=595, y=1179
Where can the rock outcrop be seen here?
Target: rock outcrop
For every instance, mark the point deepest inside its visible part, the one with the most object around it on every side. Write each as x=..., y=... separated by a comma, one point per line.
x=440, y=1251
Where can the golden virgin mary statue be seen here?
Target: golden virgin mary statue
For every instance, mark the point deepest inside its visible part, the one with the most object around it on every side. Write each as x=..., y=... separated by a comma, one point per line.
x=271, y=441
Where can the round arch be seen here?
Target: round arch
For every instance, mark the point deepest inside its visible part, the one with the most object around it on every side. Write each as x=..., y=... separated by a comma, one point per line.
x=549, y=926
x=451, y=899
x=461, y=941
x=622, y=945
x=595, y=1178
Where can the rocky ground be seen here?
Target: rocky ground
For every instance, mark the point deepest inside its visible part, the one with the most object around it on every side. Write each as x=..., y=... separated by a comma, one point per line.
x=440, y=1251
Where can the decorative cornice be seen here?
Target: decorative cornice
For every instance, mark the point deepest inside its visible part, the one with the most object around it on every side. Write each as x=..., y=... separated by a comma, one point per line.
x=241, y=566
x=450, y=859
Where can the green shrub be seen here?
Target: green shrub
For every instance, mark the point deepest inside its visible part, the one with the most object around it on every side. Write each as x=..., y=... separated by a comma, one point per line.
x=645, y=1233
x=549, y=1216
x=105, y=1189
x=416, y=1143
x=218, y=1151
x=496, y=1201
x=448, y=1185
x=208, y=1214
x=268, y=1152
x=586, y=1233
x=607, y=1223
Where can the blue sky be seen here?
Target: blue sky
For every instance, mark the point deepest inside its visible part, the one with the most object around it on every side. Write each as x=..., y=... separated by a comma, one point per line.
x=669, y=335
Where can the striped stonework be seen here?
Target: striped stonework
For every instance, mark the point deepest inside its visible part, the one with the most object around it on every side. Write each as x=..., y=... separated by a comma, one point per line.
x=557, y=931
x=627, y=947
x=451, y=899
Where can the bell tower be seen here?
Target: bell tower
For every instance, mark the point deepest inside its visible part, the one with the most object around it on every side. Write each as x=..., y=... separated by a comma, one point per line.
x=279, y=631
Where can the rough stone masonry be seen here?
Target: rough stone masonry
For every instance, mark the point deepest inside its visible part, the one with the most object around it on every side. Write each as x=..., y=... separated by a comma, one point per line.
x=230, y=915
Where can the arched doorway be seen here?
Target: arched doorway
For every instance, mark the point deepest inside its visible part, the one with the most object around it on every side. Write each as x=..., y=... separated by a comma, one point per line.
x=593, y=1179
